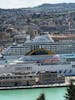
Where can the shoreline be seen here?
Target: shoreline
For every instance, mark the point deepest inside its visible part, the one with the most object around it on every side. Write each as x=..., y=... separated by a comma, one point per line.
x=35, y=86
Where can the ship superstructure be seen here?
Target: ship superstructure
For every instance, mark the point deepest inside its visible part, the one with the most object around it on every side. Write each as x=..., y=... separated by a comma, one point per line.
x=41, y=42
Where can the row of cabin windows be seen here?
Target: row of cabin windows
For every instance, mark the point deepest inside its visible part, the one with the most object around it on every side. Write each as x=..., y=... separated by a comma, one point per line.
x=23, y=68
x=18, y=77
x=65, y=71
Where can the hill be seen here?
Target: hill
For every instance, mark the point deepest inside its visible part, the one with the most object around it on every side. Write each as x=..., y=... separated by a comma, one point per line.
x=56, y=7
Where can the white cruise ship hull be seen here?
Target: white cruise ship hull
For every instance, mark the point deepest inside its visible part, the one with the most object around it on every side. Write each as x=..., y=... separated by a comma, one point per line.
x=64, y=69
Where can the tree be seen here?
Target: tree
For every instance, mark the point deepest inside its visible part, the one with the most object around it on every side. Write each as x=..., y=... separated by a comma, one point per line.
x=70, y=95
x=41, y=97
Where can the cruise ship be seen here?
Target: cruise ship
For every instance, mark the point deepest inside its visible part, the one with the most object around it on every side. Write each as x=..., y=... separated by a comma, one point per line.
x=40, y=54
x=42, y=43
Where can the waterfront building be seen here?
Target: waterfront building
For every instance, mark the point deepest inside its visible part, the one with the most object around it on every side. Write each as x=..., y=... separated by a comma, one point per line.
x=16, y=80
x=12, y=80
x=50, y=77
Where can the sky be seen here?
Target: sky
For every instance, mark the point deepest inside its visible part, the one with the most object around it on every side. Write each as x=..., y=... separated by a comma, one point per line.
x=28, y=3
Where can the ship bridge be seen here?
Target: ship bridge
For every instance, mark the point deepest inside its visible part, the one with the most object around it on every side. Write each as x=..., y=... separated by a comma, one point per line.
x=41, y=39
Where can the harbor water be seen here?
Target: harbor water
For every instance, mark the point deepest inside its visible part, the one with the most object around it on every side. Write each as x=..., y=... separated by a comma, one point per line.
x=33, y=94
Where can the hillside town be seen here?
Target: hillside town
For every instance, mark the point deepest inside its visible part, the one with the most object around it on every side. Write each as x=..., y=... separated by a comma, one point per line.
x=16, y=24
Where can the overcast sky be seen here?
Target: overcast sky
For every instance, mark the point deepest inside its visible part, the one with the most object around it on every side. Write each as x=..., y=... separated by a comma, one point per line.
x=28, y=3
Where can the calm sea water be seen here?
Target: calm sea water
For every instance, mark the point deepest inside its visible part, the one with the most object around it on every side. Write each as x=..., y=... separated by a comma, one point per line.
x=32, y=94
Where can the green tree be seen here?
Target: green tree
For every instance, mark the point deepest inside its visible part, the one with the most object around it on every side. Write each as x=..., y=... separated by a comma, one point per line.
x=70, y=95
x=41, y=97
